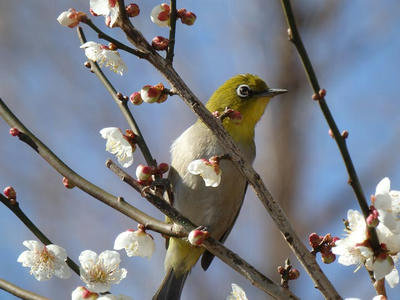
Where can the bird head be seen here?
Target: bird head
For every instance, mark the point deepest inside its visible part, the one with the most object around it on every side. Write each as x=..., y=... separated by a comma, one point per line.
x=247, y=94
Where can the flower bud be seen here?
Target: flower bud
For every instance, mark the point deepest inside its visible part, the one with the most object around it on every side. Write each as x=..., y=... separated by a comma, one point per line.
x=135, y=98
x=236, y=116
x=314, y=240
x=160, y=43
x=160, y=15
x=14, y=131
x=294, y=274
x=197, y=236
x=112, y=46
x=187, y=17
x=372, y=219
x=143, y=173
x=10, y=193
x=328, y=257
x=82, y=293
x=132, y=10
x=150, y=94
x=67, y=183
x=162, y=168
x=71, y=17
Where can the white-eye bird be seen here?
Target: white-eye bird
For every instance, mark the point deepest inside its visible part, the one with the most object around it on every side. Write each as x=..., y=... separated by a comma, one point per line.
x=214, y=207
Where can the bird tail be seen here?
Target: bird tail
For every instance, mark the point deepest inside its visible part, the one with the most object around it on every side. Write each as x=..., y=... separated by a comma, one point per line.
x=180, y=258
x=171, y=287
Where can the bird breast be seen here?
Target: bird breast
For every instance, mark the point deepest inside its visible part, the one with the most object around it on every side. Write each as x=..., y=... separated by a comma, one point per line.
x=213, y=207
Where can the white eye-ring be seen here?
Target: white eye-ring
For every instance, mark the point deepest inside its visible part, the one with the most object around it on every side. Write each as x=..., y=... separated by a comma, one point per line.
x=243, y=91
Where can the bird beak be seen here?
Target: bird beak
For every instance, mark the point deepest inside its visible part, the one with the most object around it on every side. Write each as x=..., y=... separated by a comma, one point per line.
x=270, y=92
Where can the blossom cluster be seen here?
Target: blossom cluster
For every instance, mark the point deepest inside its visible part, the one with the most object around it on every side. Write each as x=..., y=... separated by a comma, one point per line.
x=97, y=271
x=356, y=249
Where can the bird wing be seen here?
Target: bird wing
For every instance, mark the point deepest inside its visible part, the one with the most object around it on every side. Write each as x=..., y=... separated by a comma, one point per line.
x=208, y=257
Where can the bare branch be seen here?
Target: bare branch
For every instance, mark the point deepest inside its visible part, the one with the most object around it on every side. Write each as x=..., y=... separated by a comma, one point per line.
x=295, y=38
x=19, y=292
x=172, y=25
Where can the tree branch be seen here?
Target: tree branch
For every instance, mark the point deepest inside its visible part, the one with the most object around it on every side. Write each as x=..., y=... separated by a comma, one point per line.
x=295, y=38
x=212, y=245
x=14, y=207
x=19, y=292
x=106, y=37
x=123, y=106
x=172, y=25
x=273, y=208
x=117, y=203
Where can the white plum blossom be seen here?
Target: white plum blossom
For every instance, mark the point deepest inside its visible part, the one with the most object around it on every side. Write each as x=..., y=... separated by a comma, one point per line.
x=70, y=18
x=114, y=297
x=160, y=15
x=45, y=261
x=99, y=272
x=353, y=250
x=117, y=144
x=237, y=293
x=209, y=170
x=135, y=243
x=82, y=293
x=104, y=56
x=387, y=203
x=107, y=8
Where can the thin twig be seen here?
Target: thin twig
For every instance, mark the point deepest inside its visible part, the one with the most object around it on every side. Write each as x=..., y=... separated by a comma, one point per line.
x=106, y=37
x=295, y=38
x=19, y=292
x=172, y=25
x=123, y=106
x=273, y=207
x=117, y=203
x=218, y=249
x=16, y=209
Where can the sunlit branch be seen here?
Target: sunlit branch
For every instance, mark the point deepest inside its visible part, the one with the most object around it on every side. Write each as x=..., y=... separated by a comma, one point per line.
x=19, y=292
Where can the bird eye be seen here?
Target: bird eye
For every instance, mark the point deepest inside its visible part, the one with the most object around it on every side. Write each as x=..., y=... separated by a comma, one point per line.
x=243, y=91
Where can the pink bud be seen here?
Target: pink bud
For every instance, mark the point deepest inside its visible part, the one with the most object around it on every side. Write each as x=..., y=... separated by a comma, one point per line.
x=132, y=10
x=10, y=193
x=187, y=17
x=162, y=168
x=236, y=116
x=160, y=43
x=328, y=257
x=14, y=131
x=294, y=274
x=314, y=240
x=372, y=219
x=143, y=173
x=197, y=236
x=67, y=183
x=136, y=98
